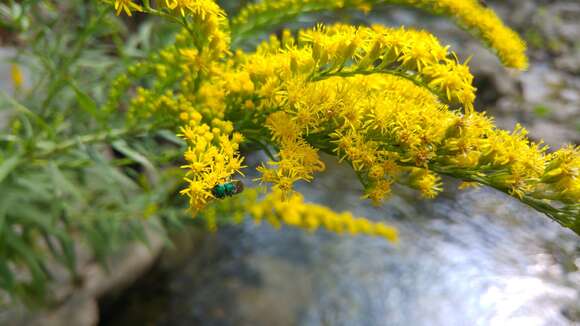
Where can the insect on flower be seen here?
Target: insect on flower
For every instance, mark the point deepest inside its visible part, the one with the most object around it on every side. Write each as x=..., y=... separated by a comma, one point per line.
x=227, y=189
x=483, y=3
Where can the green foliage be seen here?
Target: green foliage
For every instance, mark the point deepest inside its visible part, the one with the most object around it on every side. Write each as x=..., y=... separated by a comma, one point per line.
x=90, y=194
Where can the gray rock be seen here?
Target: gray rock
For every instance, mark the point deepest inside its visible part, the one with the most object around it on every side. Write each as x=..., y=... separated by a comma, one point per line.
x=570, y=95
x=569, y=63
x=553, y=134
x=537, y=82
x=80, y=310
x=78, y=305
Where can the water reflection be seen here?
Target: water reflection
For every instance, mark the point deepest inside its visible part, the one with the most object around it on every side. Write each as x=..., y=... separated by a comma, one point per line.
x=469, y=258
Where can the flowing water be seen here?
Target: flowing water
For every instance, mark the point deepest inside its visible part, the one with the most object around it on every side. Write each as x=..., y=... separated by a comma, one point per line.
x=473, y=257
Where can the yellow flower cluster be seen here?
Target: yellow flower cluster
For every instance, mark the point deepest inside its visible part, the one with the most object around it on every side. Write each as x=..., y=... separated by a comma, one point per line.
x=204, y=19
x=126, y=6
x=469, y=14
x=483, y=22
x=279, y=209
x=391, y=130
x=563, y=175
x=385, y=126
x=198, y=75
x=16, y=76
x=342, y=50
x=385, y=100
x=393, y=127
x=298, y=160
x=212, y=158
x=209, y=26
x=416, y=55
x=202, y=8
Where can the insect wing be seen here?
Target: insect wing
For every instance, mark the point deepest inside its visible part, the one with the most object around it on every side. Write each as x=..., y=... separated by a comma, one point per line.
x=239, y=186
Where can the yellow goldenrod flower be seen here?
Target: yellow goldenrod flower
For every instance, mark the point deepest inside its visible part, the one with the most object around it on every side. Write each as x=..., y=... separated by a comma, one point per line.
x=469, y=14
x=127, y=6
x=379, y=191
x=16, y=75
x=280, y=209
x=342, y=50
x=427, y=182
x=212, y=158
x=383, y=100
x=483, y=22
x=202, y=8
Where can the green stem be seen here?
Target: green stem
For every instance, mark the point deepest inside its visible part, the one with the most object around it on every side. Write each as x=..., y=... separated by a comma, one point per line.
x=97, y=137
x=567, y=217
x=560, y=216
x=63, y=71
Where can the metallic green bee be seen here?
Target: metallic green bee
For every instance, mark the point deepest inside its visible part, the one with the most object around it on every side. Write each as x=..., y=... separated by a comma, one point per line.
x=227, y=189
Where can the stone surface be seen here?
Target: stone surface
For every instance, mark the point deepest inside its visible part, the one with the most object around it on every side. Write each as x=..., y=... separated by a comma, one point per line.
x=78, y=306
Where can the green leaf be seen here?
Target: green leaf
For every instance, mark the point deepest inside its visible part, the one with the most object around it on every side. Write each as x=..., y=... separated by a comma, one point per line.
x=102, y=168
x=86, y=103
x=66, y=255
x=137, y=230
x=2, y=222
x=28, y=186
x=5, y=98
x=171, y=137
x=7, y=166
x=28, y=256
x=6, y=276
x=4, y=206
x=28, y=216
x=68, y=250
x=62, y=183
x=124, y=148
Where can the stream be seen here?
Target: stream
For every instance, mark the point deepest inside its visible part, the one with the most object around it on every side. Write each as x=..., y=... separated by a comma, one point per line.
x=474, y=257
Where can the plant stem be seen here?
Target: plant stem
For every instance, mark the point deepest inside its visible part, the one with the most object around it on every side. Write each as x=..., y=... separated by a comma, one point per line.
x=97, y=137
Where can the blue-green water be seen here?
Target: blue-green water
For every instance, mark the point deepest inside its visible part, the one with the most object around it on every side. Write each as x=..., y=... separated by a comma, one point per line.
x=467, y=258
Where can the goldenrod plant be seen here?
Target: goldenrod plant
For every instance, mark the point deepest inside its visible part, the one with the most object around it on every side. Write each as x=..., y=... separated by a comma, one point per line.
x=169, y=118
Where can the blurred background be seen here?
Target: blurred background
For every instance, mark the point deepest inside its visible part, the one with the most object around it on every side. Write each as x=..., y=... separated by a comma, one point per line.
x=474, y=257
